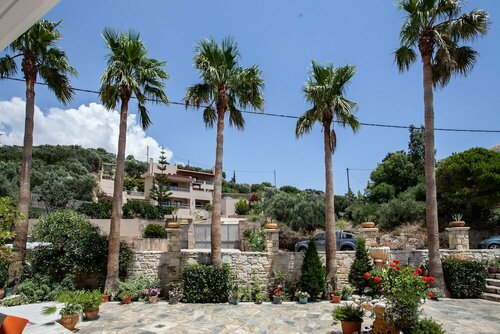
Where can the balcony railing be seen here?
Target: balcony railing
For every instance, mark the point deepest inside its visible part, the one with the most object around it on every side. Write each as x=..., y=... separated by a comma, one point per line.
x=185, y=189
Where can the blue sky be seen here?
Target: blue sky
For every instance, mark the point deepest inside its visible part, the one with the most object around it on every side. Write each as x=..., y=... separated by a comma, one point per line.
x=282, y=37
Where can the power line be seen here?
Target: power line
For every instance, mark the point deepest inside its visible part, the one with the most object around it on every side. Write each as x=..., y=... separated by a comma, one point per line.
x=394, y=126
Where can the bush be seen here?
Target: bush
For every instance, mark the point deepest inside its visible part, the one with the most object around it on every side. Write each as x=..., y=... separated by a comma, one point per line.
x=464, y=278
x=312, y=279
x=206, y=283
x=136, y=209
x=428, y=326
x=154, y=231
x=256, y=239
x=99, y=210
x=400, y=211
x=360, y=266
x=77, y=248
x=43, y=288
x=133, y=287
x=242, y=207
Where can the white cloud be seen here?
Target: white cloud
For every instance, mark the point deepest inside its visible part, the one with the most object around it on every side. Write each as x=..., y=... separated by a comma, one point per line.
x=87, y=126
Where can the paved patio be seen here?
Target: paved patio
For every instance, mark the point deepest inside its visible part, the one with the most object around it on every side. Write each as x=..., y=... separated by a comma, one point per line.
x=457, y=316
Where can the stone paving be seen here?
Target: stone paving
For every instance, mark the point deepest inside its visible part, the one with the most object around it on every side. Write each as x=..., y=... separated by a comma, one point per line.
x=457, y=316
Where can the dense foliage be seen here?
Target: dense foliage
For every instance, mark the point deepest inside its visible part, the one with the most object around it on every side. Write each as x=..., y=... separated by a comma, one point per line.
x=136, y=209
x=427, y=326
x=464, y=278
x=10, y=217
x=360, y=266
x=206, y=283
x=77, y=248
x=313, y=274
x=95, y=210
x=242, y=207
x=154, y=231
x=255, y=239
x=43, y=288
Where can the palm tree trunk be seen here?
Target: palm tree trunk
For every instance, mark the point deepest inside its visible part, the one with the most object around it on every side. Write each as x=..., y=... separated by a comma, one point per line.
x=215, y=236
x=435, y=267
x=330, y=246
x=23, y=205
x=116, y=212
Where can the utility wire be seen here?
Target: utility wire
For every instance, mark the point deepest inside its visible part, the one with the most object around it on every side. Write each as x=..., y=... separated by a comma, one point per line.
x=394, y=126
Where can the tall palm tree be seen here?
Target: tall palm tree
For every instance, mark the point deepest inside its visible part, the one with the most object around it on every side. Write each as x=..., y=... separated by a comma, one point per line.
x=225, y=86
x=129, y=73
x=325, y=90
x=436, y=28
x=40, y=58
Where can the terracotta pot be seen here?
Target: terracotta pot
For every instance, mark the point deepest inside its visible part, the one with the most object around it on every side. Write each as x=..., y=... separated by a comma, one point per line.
x=277, y=300
x=458, y=223
x=69, y=321
x=127, y=300
x=2, y=293
x=105, y=298
x=368, y=225
x=173, y=225
x=271, y=226
x=152, y=299
x=350, y=327
x=335, y=299
x=91, y=314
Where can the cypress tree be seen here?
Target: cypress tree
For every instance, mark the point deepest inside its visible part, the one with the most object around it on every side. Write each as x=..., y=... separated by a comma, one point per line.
x=359, y=266
x=313, y=277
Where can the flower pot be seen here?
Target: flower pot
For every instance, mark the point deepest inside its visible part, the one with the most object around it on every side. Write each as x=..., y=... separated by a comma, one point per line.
x=277, y=300
x=2, y=293
x=379, y=256
x=457, y=223
x=69, y=321
x=350, y=327
x=233, y=301
x=105, y=298
x=8, y=292
x=492, y=270
x=173, y=301
x=258, y=301
x=303, y=300
x=127, y=300
x=152, y=299
x=368, y=225
x=91, y=314
x=335, y=299
x=271, y=226
x=173, y=225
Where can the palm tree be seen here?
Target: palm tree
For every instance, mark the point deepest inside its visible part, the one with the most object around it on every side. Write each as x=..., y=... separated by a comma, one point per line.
x=40, y=58
x=129, y=73
x=436, y=29
x=325, y=91
x=225, y=86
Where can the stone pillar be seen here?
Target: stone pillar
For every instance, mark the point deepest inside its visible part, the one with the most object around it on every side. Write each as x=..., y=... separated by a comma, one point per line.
x=172, y=258
x=370, y=235
x=458, y=237
x=272, y=240
x=190, y=235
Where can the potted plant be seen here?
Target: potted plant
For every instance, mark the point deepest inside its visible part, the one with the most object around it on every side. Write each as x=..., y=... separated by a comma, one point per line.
x=302, y=296
x=126, y=297
x=106, y=296
x=70, y=312
x=336, y=296
x=152, y=295
x=278, y=294
x=494, y=267
x=457, y=220
x=9, y=290
x=90, y=302
x=350, y=317
x=259, y=298
x=175, y=292
x=346, y=292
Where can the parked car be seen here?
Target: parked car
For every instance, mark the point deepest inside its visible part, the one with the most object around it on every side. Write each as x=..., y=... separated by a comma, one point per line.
x=346, y=241
x=30, y=244
x=490, y=243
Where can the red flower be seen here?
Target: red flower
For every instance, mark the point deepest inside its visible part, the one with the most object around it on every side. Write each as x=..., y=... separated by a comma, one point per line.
x=429, y=279
x=431, y=294
x=418, y=272
x=396, y=261
x=377, y=279
x=367, y=275
x=394, y=266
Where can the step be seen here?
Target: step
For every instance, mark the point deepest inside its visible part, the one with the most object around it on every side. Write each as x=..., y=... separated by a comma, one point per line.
x=491, y=296
x=492, y=282
x=493, y=289
x=494, y=276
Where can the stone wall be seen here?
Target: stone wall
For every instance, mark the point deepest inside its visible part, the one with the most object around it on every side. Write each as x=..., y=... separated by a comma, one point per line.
x=247, y=265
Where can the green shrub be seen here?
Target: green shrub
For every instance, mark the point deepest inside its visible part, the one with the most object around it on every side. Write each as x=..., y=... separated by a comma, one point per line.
x=242, y=207
x=77, y=248
x=14, y=301
x=99, y=210
x=464, y=278
x=90, y=300
x=360, y=266
x=4, y=274
x=256, y=239
x=43, y=288
x=206, y=283
x=312, y=279
x=428, y=326
x=133, y=287
x=348, y=313
x=400, y=211
x=154, y=231
x=136, y=209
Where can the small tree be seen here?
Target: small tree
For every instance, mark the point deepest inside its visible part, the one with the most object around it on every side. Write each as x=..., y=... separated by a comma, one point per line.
x=313, y=277
x=360, y=266
x=161, y=188
x=242, y=207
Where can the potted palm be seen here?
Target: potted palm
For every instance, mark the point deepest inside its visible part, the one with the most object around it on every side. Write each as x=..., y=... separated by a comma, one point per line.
x=90, y=302
x=350, y=317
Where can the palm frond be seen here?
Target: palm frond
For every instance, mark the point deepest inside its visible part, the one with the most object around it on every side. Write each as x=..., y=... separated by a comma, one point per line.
x=404, y=57
x=333, y=140
x=235, y=116
x=8, y=66
x=306, y=122
x=197, y=95
x=209, y=116
x=468, y=26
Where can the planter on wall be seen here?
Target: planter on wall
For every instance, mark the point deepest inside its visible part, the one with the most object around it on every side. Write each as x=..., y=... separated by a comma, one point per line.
x=457, y=223
x=368, y=225
x=173, y=225
x=271, y=226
